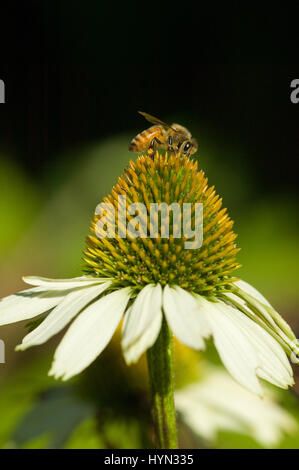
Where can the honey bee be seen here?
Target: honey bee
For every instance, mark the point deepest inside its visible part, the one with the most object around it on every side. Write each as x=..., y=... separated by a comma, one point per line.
x=175, y=138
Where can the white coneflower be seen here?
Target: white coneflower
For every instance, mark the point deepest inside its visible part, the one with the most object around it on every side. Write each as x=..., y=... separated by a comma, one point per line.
x=160, y=286
x=207, y=412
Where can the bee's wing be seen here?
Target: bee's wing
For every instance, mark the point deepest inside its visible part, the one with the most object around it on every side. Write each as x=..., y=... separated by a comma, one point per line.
x=154, y=120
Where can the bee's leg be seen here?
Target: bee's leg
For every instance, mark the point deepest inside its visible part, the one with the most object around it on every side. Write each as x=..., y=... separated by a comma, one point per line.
x=170, y=147
x=152, y=146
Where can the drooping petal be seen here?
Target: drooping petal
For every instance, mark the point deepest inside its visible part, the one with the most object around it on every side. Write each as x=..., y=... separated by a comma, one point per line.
x=235, y=350
x=184, y=317
x=134, y=350
x=142, y=323
x=257, y=303
x=62, y=284
x=274, y=365
x=68, y=308
x=28, y=304
x=247, y=350
x=89, y=334
x=249, y=289
x=204, y=307
x=145, y=308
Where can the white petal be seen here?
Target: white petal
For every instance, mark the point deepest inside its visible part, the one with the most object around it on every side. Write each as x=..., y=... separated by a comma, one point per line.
x=184, y=317
x=257, y=298
x=268, y=360
x=205, y=307
x=204, y=419
x=256, y=301
x=62, y=284
x=236, y=351
x=259, y=302
x=142, y=323
x=28, y=304
x=207, y=411
x=89, y=334
x=273, y=362
x=249, y=289
x=133, y=351
x=145, y=308
x=70, y=306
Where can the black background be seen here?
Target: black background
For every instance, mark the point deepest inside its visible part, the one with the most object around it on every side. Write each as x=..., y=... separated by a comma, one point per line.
x=78, y=71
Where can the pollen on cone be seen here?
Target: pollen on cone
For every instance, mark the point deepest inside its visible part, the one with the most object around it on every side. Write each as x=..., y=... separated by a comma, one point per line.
x=143, y=260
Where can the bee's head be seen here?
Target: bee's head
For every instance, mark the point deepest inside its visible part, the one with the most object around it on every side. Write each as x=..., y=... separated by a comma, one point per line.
x=188, y=147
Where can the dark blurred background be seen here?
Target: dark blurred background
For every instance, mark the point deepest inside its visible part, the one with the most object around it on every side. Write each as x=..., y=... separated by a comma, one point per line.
x=75, y=75
x=76, y=72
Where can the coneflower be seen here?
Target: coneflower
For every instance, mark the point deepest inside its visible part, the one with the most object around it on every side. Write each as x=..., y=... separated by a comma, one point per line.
x=162, y=286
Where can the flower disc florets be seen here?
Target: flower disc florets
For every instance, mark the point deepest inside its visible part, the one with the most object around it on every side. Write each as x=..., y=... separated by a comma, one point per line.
x=130, y=261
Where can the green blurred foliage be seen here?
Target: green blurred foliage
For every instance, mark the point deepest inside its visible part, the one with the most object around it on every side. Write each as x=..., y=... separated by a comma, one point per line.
x=269, y=254
x=19, y=204
x=17, y=394
x=37, y=412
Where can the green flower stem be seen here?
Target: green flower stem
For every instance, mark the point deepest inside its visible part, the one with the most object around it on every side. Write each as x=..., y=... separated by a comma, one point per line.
x=160, y=367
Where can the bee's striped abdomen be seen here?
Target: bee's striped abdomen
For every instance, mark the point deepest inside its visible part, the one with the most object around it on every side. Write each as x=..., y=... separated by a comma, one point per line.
x=142, y=141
